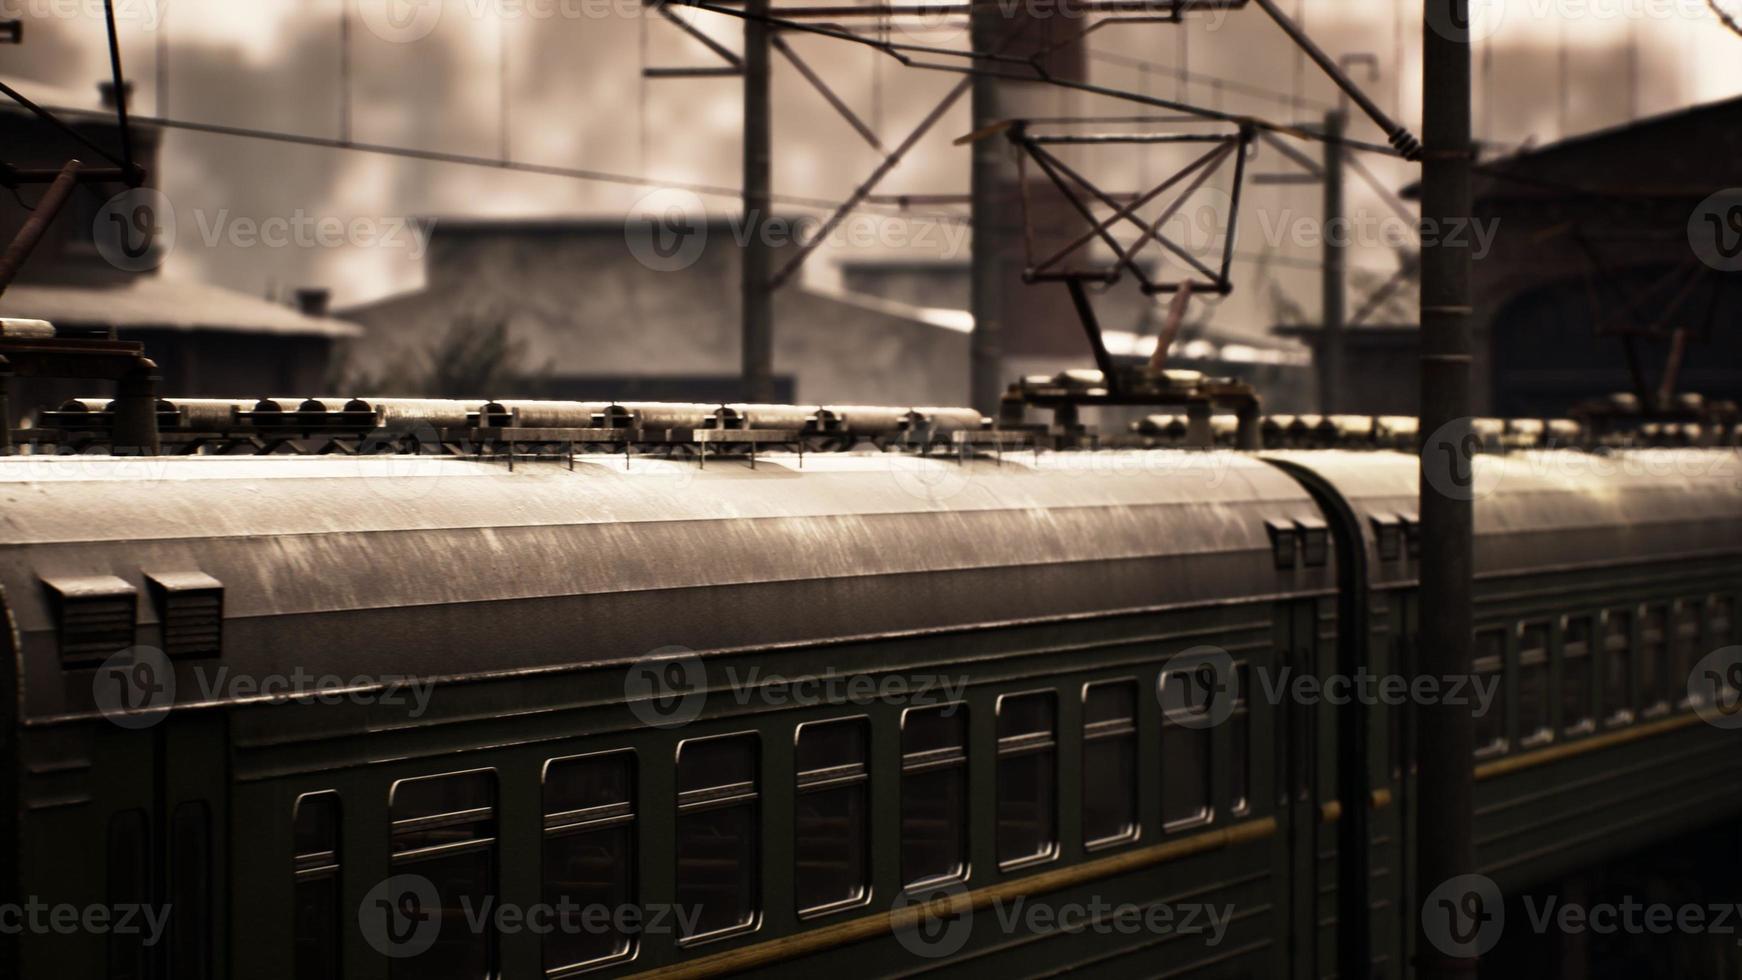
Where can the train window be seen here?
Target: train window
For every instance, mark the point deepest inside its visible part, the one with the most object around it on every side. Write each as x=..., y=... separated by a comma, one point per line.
x=129, y=886
x=1654, y=668
x=1577, y=676
x=444, y=829
x=315, y=829
x=1721, y=620
x=832, y=829
x=1684, y=649
x=1185, y=753
x=719, y=850
x=589, y=855
x=934, y=793
x=1489, y=663
x=1027, y=778
x=1618, y=666
x=1109, y=763
x=1534, y=690
x=1240, y=747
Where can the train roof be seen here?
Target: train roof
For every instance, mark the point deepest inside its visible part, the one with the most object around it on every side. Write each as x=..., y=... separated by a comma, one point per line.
x=451, y=568
x=1539, y=511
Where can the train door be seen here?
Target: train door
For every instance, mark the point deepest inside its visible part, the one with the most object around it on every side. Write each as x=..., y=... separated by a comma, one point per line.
x=191, y=843
x=1301, y=747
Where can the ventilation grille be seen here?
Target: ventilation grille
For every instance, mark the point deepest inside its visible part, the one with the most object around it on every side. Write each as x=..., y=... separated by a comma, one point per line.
x=94, y=617
x=190, y=605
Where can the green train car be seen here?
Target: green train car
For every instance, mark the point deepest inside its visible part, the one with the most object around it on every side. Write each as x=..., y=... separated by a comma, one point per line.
x=844, y=715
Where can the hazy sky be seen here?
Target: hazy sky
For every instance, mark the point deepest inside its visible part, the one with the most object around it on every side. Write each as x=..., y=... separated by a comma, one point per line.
x=434, y=79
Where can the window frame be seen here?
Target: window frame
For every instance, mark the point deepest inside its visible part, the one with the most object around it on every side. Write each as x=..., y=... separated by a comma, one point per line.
x=1628, y=646
x=1206, y=814
x=304, y=867
x=936, y=759
x=572, y=822
x=1500, y=744
x=836, y=777
x=1129, y=732
x=488, y=844
x=1593, y=699
x=1659, y=706
x=719, y=797
x=1543, y=659
x=1033, y=743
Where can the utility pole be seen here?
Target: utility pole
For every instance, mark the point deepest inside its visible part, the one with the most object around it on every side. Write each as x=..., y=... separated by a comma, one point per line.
x=757, y=265
x=1336, y=267
x=1446, y=743
x=986, y=186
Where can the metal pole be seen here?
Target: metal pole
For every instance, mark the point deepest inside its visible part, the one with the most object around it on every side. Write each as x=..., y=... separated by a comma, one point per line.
x=31, y=234
x=1334, y=284
x=757, y=310
x=986, y=345
x=1446, y=749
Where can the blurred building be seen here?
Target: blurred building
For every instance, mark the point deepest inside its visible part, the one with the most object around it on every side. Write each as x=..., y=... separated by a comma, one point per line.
x=1602, y=250
x=587, y=319
x=206, y=340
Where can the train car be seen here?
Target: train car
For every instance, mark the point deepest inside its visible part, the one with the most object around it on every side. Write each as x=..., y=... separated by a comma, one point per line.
x=861, y=714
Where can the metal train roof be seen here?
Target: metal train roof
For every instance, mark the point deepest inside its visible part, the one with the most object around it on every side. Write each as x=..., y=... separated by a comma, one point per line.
x=1558, y=509
x=452, y=568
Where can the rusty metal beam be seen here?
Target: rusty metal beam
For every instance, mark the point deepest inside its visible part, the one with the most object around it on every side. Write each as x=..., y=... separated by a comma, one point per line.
x=859, y=193
x=31, y=234
x=828, y=93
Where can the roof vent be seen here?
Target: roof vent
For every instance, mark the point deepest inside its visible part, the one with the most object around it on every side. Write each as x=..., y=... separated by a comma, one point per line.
x=1284, y=543
x=94, y=617
x=190, y=605
x=1315, y=541
x=1388, y=535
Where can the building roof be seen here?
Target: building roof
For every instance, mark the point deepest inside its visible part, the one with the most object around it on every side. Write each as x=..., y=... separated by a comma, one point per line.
x=148, y=302
x=1687, y=153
